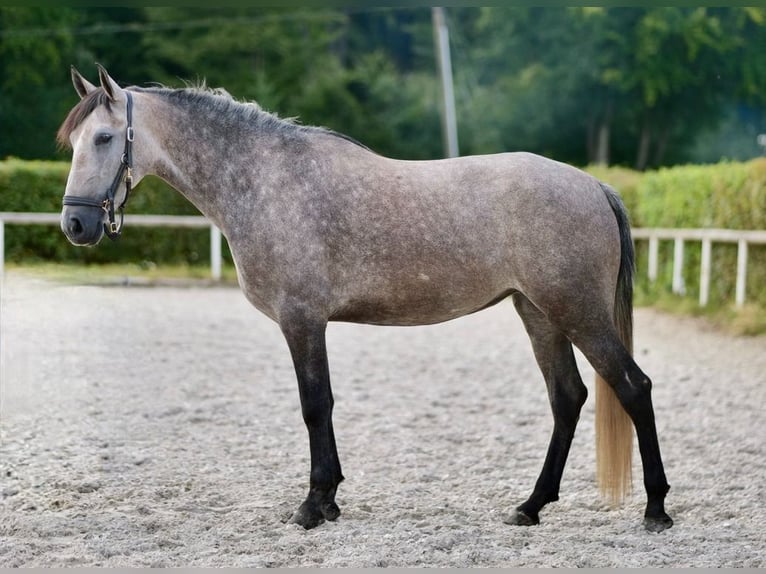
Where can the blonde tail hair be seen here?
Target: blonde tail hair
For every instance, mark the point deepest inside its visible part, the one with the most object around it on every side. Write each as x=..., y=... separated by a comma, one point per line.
x=614, y=428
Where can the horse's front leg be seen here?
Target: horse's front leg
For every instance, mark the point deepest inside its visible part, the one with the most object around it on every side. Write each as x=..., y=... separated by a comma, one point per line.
x=306, y=339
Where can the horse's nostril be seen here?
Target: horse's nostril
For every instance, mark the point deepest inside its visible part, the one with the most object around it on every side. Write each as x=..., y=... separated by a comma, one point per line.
x=74, y=226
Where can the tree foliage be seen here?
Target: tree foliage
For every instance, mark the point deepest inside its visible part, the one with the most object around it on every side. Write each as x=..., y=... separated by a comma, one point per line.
x=640, y=87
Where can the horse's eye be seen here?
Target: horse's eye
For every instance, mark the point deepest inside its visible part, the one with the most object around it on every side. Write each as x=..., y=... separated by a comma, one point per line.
x=103, y=138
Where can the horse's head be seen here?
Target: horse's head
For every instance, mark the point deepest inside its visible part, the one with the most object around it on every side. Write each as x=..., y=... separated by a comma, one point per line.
x=100, y=133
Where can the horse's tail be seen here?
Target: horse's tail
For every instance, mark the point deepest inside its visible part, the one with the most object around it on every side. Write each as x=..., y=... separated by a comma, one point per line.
x=614, y=428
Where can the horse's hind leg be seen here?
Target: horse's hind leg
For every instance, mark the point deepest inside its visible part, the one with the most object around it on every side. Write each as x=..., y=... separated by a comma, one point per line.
x=567, y=394
x=306, y=338
x=614, y=364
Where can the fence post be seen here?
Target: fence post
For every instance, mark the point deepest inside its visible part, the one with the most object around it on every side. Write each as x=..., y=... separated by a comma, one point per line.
x=215, y=252
x=678, y=267
x=654, y=248
x=741, y=271
x=705, y=271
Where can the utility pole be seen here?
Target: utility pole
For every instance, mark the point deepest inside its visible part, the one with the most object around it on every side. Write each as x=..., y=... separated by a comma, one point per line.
x=449, y=120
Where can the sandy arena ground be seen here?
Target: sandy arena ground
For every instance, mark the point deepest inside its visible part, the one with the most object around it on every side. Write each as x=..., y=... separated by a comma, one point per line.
x=161, y=427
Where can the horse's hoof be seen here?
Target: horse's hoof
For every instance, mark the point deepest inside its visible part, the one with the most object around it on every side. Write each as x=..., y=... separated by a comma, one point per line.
x=307, y=516
x=330, y=511
x=521, y=518
x=658, y=523
x=311, y=515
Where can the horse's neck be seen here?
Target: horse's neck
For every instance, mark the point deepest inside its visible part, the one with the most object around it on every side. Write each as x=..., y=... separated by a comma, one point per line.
x=211, y=166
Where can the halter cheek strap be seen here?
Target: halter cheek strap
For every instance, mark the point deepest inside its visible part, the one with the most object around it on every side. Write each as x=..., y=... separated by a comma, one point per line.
x=124, y=173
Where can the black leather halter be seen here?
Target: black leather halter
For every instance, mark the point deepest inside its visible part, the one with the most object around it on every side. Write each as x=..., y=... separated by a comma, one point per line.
x=113, y=229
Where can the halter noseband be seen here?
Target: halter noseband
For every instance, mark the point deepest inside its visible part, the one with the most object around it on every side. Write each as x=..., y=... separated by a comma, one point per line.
x=113, y=229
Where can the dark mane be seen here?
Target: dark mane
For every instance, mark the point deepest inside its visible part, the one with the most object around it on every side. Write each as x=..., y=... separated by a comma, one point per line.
x=78, y=114
x=217, y=101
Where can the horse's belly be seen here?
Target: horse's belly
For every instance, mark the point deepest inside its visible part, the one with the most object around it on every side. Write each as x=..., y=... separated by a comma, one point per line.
x=419, y=303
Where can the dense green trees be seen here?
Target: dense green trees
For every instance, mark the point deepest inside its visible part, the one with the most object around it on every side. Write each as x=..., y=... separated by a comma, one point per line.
x=634, y=86
x=639, y=87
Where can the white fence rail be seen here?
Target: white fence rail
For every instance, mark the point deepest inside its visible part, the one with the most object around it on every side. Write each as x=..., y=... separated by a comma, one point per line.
x=20, y=218
x=707, y=237
x=653, y=235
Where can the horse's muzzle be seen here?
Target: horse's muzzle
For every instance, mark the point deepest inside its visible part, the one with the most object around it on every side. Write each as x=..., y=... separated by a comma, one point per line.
x=82, y=226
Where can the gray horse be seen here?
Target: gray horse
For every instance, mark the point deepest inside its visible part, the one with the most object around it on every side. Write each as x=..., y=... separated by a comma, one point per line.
x=323, y=229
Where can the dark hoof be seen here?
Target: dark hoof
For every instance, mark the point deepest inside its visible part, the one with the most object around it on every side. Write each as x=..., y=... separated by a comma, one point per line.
x=658, y=523
x=521, y=518
x=331, y=511
x=310, y=515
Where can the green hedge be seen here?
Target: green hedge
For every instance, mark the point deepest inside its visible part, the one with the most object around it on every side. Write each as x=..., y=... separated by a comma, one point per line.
x=726, y=195
x=39, y=186
x=729, y=195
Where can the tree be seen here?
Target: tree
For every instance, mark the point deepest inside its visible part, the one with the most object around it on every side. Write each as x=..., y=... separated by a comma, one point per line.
x=34, y=44
x=628, y=85
x=633, y=86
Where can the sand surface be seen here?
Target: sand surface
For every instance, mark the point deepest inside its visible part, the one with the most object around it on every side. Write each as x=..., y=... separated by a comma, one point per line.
x=161, y=427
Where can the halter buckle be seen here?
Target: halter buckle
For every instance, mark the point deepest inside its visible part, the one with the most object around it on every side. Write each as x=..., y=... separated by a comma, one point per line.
x=113, y=227
x=129, y=135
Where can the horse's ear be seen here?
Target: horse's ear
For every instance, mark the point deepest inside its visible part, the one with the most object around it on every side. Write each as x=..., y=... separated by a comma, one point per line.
x=110, y=86
x=82, y=86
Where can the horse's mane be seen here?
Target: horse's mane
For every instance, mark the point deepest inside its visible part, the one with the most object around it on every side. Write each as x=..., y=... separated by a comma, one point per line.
x=215, y=100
